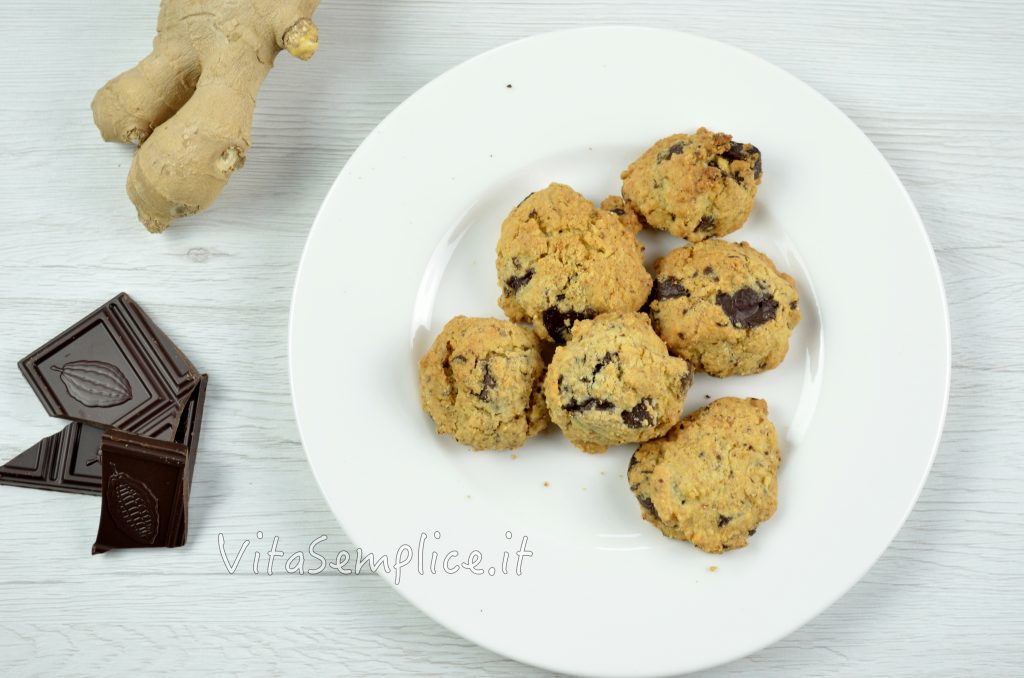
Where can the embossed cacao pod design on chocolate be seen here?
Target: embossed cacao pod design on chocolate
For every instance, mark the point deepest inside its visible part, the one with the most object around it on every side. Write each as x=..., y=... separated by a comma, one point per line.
x=94, y=383
x=133, y=507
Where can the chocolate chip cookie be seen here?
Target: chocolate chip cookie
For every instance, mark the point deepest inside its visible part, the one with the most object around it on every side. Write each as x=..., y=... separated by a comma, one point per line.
x=695, y=186
x=560, y=260
x=724, y=307
x=480, y=382
x=614, y=382
x=713, y=479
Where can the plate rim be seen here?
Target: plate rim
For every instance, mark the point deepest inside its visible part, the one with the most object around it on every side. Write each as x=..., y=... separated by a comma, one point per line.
x=894, y=177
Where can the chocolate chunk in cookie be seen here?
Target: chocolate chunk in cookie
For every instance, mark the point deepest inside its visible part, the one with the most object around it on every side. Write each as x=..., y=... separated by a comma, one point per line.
x=639, y=416
x=668, y=287
x=575, y=406
x=747, y=307
x=559, y=323
x=517, y=282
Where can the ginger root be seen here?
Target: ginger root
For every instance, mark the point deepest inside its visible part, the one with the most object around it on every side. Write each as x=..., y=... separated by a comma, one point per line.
x=189, y=104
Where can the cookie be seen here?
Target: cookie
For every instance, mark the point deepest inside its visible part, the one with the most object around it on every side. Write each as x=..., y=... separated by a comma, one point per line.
x=695, y=186
x=617, y=206
x=480, y=382
x=724, y=307
x=614, y=382
x=560, y=260
x=713, y=479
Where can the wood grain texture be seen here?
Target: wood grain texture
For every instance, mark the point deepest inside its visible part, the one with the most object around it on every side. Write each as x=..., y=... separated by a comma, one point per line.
x=935, y=84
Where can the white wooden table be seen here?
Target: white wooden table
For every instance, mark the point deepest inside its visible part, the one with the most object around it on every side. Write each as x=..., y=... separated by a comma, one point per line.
x=936, y=85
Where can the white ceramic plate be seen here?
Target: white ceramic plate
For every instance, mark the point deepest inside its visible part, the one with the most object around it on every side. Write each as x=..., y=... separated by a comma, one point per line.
x=405, y=240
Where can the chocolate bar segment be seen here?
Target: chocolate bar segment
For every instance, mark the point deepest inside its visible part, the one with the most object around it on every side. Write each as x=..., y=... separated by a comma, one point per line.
x=143, y=492
x=114, y=369
x=67, y=461
x=188, y=435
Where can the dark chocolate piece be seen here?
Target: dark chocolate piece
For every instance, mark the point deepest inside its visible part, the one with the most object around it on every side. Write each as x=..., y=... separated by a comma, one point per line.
x=706, y=224
x=113, y=369
x=188, y=435
x=736, y=151
x=744, y=152
x=649, y=505
x=639, y=416
x=674, y=149
x=588, y=404
x=147, y=483
x=517, y=282
x=191, y=423
x=748, y=307
x=559, y=324
x=604, y=362
x=67, y=461
x=487, y=384
x=668, y=287
x=686, y=382
x=144, y=492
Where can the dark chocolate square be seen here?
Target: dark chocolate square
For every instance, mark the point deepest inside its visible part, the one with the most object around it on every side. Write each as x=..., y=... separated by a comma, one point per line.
x=143, y=492
x=114, y=369
x=67, y=461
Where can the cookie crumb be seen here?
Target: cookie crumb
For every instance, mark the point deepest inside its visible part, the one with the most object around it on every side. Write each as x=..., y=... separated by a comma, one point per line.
x=547, y=484
x=514, y=456
x=707, y=397
x=508, y=86
x=713, y=568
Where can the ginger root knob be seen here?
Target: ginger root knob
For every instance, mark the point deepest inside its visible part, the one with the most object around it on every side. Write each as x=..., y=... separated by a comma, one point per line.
x=231, y=159
x=302, y=39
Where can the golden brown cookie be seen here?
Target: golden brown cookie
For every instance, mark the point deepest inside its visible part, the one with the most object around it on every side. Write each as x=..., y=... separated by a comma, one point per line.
x=724, y=307
x=713, y=479
x=560, y=259
x=614, y=382
x=695, y=186
x=480, y=382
